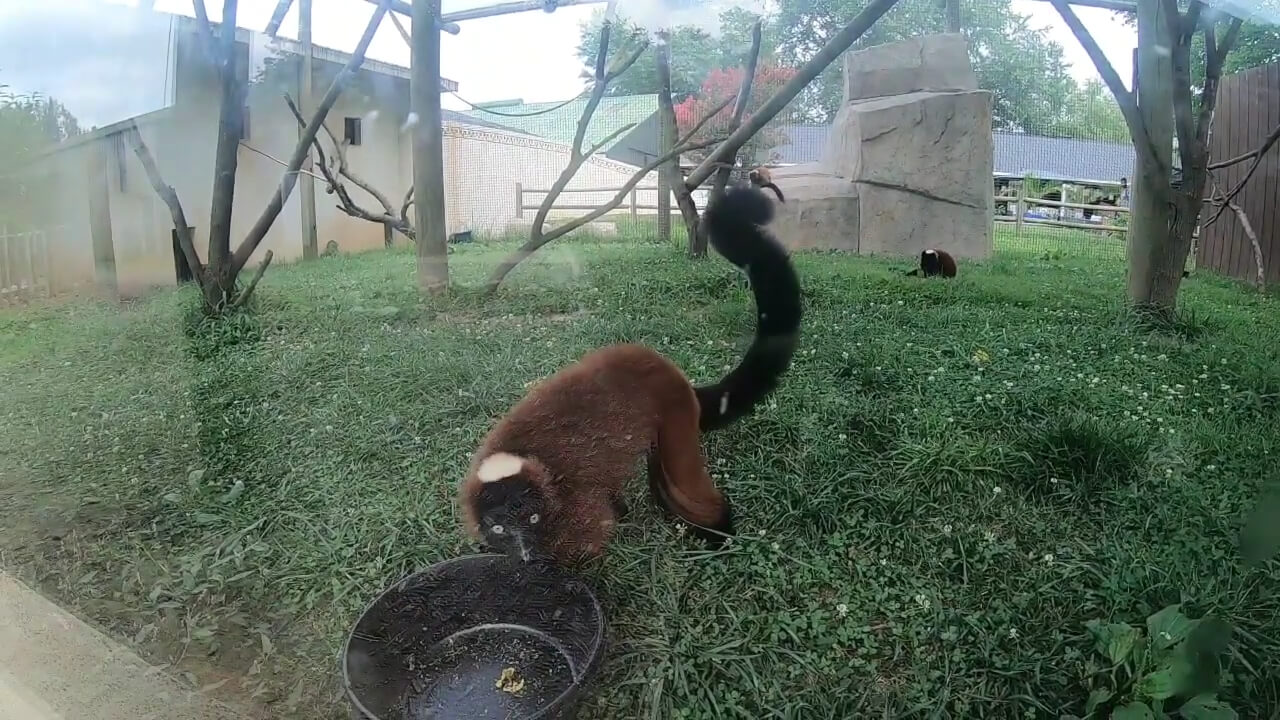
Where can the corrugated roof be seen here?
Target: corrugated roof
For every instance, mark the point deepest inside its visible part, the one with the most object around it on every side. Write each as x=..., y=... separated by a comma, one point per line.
x=559, y=125
x=1015, y=154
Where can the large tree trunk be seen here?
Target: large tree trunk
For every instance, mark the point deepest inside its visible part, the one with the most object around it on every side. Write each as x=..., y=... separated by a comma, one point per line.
x=1153, y=287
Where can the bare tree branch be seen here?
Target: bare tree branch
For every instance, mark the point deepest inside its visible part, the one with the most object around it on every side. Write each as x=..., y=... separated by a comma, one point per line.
x=278, y=161
x=404, y=207
x=698, y=244
x=1252, y=154
x=1260, y=277
x=540, y=239
x=1124, y=98
x=788, y=92
x=345, y=202
x=1190, y=23
x=277, y=17
x=603, y=76
x=702, y=122
x=253, y=283
x=404, y=34
x=1180, y=54
x=739, y=110
x=608, y=139
x=290, y=178
x=671, y=170
x=1215, y=57
x=170, y=198
x=205, y=28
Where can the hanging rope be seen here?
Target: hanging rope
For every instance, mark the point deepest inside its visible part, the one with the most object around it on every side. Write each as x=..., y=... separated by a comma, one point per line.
x=553, y=108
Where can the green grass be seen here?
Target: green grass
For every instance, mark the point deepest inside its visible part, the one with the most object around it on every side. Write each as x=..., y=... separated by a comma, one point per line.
x=922, y=533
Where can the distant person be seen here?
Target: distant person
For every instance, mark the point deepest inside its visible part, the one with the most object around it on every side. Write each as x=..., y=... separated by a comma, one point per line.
x=1124, y=192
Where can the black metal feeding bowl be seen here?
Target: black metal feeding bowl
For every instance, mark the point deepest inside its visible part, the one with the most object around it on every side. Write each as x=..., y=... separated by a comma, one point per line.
x=476, y=637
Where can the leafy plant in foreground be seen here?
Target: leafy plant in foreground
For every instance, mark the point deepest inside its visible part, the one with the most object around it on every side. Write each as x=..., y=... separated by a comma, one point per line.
x=1174, y=664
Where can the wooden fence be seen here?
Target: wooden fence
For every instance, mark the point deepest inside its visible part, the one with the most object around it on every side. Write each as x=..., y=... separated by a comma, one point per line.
x=631, y=206
x=1022, y=202
x=1248, y=110
x=26, y=269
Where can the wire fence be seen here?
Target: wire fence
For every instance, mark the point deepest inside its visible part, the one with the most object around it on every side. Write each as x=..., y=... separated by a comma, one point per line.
x=1055, y=178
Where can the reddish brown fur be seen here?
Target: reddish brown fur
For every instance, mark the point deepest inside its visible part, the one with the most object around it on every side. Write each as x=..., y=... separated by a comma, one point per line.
x=948, y=263
x=582, y=433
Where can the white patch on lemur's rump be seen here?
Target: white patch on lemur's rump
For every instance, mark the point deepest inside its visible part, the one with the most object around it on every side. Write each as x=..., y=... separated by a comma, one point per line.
x=499, y=466
x=724, y=403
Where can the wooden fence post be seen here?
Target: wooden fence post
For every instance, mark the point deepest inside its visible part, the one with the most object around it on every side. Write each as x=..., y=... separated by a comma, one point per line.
x=48, y=265
x=519, y=200
x=634, y=203
x=1021, y=208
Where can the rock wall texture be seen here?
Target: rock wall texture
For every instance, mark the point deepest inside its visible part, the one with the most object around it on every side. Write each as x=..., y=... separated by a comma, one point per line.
x=908, y=164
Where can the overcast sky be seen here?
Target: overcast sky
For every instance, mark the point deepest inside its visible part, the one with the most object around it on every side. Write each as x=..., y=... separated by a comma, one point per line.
x=107, y=60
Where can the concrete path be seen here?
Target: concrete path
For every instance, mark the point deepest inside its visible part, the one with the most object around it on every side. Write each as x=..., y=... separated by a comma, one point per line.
x=55, y=667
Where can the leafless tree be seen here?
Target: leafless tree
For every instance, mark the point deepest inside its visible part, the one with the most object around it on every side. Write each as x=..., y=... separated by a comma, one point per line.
x=218, y=279
x=698, y=241
x=725, y=151
x=1160, y=108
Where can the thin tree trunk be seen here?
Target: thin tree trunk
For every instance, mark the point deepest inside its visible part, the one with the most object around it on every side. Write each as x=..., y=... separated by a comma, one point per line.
x=225, y=161
x=670, y=172
x=698, y=249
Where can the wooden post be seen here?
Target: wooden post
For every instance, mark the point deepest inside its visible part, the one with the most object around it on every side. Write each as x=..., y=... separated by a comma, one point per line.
x=635, y=202
x=428, y=147
x=953, y=15
x=664, y=205
x=31, y=263
x=104, y=251
x=519, y=200
x=1021, y=207
x=4, y=260
x=310, y=241
x=387, y=236
x=48, y=265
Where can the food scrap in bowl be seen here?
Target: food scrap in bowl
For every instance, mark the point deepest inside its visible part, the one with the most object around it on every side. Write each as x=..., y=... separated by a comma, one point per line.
x=510, y=682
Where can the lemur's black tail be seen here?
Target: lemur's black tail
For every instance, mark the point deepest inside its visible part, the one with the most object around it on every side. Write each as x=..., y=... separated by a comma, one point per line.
x=736, y=225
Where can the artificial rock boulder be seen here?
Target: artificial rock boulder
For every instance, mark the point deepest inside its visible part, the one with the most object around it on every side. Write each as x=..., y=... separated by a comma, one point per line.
x=908, y=161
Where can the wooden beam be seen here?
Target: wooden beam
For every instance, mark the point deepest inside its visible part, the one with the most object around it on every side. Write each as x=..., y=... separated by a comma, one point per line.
x=277, y=17
x=428, y=147
x=104, y=252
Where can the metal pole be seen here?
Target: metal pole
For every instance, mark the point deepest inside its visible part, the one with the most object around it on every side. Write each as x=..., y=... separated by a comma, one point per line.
x=428, y=147
x=310, y=243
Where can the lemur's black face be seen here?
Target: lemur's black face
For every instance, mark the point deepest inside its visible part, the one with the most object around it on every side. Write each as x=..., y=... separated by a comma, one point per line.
x=510, y=512
x=930, y=263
